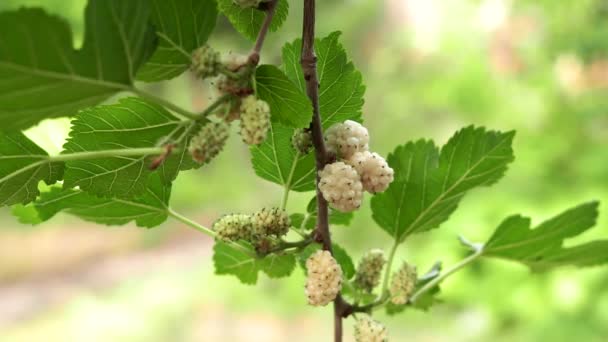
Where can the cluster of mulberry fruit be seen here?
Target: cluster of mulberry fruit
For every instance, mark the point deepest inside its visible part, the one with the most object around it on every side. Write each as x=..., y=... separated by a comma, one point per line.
x=324, y=278
x=255, y=228
x=356, y=170
x=369, y=330
x=369, y=270
x=403, y=284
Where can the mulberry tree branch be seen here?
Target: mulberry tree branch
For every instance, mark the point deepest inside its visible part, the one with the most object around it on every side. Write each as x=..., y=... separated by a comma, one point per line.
x=309, y=67
x=269, y=8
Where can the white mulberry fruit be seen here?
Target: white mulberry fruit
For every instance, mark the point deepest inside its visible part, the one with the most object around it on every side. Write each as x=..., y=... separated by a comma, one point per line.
x=375, y=173
x=205, y=62
x=302, y=141
x=369, y=270
x=272, y=221
x=233, y=227
x=324, y=280
x=209, y=142
x=341, y=186
x=255, y=120
x=344, y=139
x=403, y=284
x=369, y=330
x=234, y=61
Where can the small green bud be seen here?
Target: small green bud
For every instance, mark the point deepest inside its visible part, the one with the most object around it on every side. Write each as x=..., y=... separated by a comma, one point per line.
x=233, y=227
x=205, y=62
x=272, y=221
x=302, y=141
x=403, y=284
x=369, y=270
x=209, y=141
x=255, y=120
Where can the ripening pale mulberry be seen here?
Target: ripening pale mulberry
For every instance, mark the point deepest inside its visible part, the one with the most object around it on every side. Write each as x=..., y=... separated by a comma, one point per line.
x=234, y=61
x=341, y=186
x=233, y=227
x=272, y=221
x=324, y=278
x=375, y=173
x=247, y=3
x=344, y=139
x=369, y=270
x=369, y=330
x=403, y=284
x=302, y=141
x=209, y=142
x=255, y=120
x=205, y=62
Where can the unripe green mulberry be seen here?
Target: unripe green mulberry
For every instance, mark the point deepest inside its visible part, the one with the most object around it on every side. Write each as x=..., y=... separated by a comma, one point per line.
x=209, y=142
x=403, y=284
x=255, y=120
x=272, y=221
x=233, y=227
x=302, y=141
x=369, y=270
x=369, y=330
x=324, y=278
x=247, y=3
x=205, y=62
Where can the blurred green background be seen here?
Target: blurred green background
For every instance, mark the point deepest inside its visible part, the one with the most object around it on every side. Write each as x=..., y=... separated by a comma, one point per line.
x=539, y=67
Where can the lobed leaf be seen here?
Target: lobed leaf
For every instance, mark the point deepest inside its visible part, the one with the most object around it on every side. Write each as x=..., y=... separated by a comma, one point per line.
x=23, y=164
x=542, y=248
x=132, y=123
x=248, y=21
x=181, y=26
x=429, y=185
x=147, y=210
x=37, y=60
x=229, y=260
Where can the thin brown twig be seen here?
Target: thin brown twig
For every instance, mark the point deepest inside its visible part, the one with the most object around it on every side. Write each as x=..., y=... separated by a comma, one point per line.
x=309, y=67
x=269, y=7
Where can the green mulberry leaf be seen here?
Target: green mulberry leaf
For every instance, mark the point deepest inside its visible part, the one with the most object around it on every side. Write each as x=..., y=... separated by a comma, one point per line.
x=429, y=185
x=181, y=27
x=248, y=21
x=23, y=164
x=147, y=210
x=278, y=265
x=44, y=77
x=341, y=88
x=229, y=260
x=276, y=160
x=288, y=104
x=542, y=248
x=132, y=123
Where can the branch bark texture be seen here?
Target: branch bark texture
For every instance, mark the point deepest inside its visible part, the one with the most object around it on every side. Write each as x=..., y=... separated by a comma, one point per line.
x=309, y=67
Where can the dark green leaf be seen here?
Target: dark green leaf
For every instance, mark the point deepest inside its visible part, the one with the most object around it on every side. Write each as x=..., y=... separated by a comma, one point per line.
x=44, y=77
x=132, y=123
x=288, y=104
x=147, y=210
x=341, y=88
x=278, y=265
x=276, y=160
x=181, y=27
x=248, y=21
x=429, y=185
x=23, y=165
x=542, y=248
x=229, y=260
